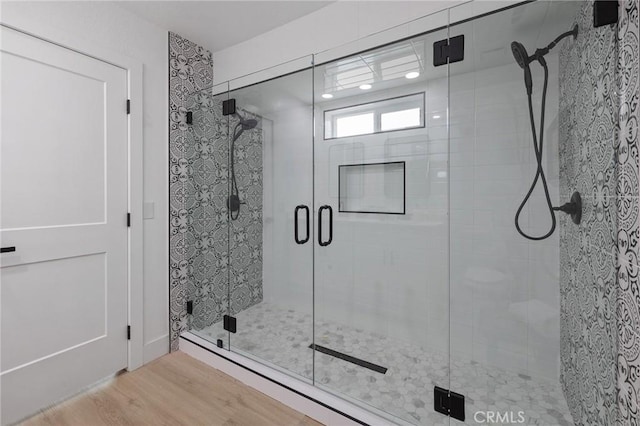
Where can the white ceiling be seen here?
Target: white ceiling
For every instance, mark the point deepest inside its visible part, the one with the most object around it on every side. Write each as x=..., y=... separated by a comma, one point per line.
x=216, y=25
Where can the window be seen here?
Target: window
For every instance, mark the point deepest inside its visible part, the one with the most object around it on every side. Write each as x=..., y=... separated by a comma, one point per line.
x=401, y=113
x=402, y=119
x=351, y=125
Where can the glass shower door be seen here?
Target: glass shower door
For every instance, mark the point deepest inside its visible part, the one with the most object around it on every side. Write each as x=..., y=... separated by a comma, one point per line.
x=381, y=217
x=206, y=132
x=270, y=232
x=519, y=342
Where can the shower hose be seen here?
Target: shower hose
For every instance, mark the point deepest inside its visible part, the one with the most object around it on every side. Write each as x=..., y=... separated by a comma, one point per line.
x=537, y=147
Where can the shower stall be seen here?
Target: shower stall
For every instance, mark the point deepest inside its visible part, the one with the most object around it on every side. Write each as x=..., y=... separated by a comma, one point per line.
x=351, y=218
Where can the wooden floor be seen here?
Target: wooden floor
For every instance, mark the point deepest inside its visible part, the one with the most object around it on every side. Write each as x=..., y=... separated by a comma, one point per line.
x=173, y=390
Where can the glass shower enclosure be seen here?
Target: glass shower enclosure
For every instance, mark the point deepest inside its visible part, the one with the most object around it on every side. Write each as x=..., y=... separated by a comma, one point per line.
x=360, y=234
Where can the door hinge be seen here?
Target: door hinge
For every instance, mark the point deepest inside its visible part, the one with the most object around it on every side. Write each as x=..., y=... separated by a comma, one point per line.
x=448, y=403
x=229, y=107
x=128, y=332
x=128, y=220
x=604, y=13
x=448, y=50
x=229, y=323
x=128, y=106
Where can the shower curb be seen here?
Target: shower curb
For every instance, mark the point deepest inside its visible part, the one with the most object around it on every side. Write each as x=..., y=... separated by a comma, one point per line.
x=296, y=394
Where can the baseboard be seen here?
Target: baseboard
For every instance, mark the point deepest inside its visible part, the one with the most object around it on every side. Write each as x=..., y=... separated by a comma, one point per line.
x=300, y=396
x=156, y=348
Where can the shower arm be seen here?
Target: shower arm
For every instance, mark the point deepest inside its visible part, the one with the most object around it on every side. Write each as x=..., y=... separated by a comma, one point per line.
x=541, y=52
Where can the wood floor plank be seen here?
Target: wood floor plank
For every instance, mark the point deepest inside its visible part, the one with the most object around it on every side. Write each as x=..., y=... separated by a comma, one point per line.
x=173, y=390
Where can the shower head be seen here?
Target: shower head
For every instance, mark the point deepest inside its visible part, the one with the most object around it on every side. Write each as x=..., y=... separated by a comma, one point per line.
x=248, y=124
x=520, y=54
x=523, y=59
x=244, y=124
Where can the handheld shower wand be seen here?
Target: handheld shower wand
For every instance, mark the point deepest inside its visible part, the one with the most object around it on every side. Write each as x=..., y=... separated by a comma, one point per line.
x=523, y=59
x=233, y=202
x=574, y=208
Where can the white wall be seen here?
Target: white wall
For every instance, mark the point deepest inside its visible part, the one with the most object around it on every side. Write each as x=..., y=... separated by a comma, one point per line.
x=115, y=29
x=505, y=293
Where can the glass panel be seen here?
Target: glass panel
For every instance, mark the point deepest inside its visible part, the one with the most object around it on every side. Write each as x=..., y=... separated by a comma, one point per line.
x=381, y=279
x=270, y=264
x=531, y=337
x=206, y=140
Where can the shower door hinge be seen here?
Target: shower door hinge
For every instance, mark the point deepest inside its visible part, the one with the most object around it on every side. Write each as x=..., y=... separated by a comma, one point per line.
x=448, y=50
x=604, y=13
x=229, y=107
x=128, y=106
x=448, y=403
x=128, y=220
x=229, y=323
x=128, y=332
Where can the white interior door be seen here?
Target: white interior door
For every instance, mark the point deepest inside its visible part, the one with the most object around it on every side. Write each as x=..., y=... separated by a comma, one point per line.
x=63, y=205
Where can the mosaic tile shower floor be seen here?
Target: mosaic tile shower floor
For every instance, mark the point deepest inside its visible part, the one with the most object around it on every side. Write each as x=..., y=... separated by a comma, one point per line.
x=281, y=337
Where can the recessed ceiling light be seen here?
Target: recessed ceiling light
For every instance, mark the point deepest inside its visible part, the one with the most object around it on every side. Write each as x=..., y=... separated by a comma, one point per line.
x=412, y=74
x=365, y=86
x=327, y=95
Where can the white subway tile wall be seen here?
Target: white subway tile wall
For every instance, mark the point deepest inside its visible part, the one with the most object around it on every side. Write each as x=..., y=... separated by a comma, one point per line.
x=504, y=289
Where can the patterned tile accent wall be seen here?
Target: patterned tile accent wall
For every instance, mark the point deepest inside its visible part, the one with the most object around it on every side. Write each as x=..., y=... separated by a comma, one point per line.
x=190, y=70
x=224, y=255
x=628, y=308
x=206, y=253
x=208, y=216
x=600, y=316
